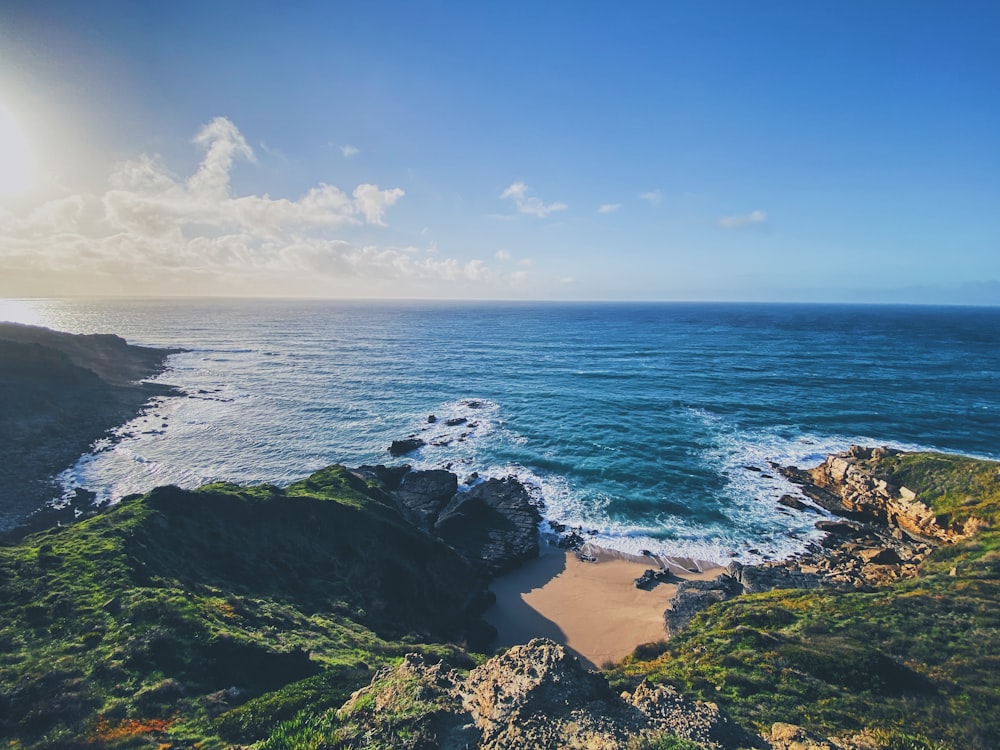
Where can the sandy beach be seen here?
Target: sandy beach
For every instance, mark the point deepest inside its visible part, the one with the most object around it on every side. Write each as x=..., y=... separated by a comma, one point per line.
x=592, y=608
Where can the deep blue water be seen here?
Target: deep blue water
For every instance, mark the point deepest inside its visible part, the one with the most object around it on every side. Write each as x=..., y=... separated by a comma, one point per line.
x=635, y=420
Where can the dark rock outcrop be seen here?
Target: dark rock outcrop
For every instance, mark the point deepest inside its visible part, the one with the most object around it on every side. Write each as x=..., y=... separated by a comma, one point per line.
x=537, y=695
x=407, y=445
x=494, y=522
x=694, y=596
x=422, y=495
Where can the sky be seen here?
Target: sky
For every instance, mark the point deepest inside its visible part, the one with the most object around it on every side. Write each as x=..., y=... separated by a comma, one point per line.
x=841, y=151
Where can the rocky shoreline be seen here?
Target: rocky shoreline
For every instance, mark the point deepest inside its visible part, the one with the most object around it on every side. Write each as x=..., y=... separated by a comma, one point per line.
x=881, y=533
x=59, y=393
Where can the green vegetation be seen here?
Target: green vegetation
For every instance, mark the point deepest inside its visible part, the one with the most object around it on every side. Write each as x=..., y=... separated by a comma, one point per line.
x=917, y=661
x=216, y=616
x=956, y=487
x=248, y=616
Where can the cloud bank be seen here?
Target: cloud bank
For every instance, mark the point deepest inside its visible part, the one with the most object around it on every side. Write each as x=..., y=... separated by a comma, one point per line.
x=150, y=232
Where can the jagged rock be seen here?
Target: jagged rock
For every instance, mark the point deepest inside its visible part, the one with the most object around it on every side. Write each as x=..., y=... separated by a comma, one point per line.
x=790, y=501
x=537, y=695
x=849, y=476
x=841, y=528
x=407, y=445
x=854, y=555
x=651, y=577
x=696, y=721
x=493, y=524
x=880, y=556
x=422, y=495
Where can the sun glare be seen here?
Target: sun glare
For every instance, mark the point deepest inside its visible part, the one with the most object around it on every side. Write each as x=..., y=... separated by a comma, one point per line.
x=17, y=168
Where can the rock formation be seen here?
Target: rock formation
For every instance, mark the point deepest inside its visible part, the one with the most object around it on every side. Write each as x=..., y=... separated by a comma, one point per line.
x=493, y=524
x=536, y=695
x=882, y=533
x=849, y=476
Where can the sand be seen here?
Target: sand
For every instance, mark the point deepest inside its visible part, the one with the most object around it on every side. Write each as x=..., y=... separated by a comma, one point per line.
x=593, y=608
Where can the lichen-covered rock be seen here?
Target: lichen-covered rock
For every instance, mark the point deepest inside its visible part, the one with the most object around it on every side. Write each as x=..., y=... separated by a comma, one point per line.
x=537, y=695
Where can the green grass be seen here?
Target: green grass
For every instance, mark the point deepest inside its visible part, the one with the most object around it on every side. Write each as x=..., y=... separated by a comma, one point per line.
x=215, y=615
x=918, y=660
x=247, y=616
x=956, y=487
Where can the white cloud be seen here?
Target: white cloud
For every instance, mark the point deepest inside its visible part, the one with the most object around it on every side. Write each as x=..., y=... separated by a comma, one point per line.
x=372, y=202
x=503, y=255
x=609, y=208
x=653, y=197
x=152, y=232
x=743, y=220
x=348, y=150
x=526, y=204
x=223, y=143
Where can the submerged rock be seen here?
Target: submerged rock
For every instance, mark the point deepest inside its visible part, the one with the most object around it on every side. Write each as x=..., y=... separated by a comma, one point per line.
x=407, y=445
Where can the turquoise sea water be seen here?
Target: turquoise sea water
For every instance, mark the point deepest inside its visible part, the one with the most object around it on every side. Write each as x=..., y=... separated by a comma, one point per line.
x=638, y=421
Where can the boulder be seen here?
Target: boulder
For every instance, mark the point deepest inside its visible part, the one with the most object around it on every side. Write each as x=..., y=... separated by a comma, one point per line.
x=694, y=596
x=537, y=695
x=493, y=524
x=407, y=445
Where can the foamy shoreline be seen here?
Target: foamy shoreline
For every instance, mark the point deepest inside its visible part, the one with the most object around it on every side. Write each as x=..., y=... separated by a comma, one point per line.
x=593, y=608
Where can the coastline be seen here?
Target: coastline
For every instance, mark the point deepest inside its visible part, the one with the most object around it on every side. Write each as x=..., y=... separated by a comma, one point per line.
x=592, y=608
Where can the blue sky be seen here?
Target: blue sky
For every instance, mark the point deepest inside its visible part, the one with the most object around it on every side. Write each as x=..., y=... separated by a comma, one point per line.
x=829, y=151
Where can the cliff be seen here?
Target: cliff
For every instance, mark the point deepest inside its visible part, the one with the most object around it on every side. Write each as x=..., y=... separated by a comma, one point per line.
x=59, y=393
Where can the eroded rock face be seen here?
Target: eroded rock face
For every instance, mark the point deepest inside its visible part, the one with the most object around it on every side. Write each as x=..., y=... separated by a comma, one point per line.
x=537, y=695
x=422, y=495
x=848, y=475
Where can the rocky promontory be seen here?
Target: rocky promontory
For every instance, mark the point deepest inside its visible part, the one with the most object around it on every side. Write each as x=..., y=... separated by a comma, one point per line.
x=60, y=392
x=493, y=524
x=881, y=533
x=537, y=695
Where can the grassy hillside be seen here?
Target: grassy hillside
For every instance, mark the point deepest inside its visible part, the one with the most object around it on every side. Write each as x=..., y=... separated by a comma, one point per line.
x=209, y=616
x=246, y=616
x=919, y=661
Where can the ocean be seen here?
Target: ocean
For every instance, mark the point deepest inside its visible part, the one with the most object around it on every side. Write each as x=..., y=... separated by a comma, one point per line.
x=650, y=426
